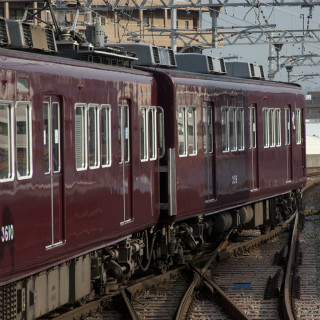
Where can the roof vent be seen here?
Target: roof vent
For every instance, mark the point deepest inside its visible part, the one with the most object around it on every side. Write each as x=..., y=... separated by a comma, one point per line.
x=148, y=55
x=4, y=33
x=196, y=62
x=27, y=36
x=245, y=70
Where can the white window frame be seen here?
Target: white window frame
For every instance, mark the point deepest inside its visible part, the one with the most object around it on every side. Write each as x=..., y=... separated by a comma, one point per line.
x=287, y=116
x=95, y=108
x=149, y=136
x=11, y=149
x=194, y=149
x=29, y=142
x=298, y=125
x=278, y=127
x=83, y=146
x=181, y=111
x=240, y=111
x=107, y=108
x=225, y=117
x=253, y=127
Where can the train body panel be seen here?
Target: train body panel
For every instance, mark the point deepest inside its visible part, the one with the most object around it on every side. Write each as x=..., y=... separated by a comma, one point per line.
x=54, y=210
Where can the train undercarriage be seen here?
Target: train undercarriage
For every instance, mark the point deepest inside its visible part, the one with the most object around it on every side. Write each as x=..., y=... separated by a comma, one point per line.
x=159, y=248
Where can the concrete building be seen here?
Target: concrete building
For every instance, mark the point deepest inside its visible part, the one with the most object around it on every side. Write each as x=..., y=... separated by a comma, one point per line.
x=313, y=106
x=124, y=21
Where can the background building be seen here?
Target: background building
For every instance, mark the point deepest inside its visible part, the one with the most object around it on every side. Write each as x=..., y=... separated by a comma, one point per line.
x=313, y=105
x=122, y=21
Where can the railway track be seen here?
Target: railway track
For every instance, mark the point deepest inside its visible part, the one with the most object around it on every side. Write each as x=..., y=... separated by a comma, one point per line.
x=229, y=289
x=306, y=302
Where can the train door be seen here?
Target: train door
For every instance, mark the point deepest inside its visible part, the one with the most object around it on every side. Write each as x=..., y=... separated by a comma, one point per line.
x=288, y=140
x=254, y=181
x=52, y=111
x=124, y=160
x=209, y=155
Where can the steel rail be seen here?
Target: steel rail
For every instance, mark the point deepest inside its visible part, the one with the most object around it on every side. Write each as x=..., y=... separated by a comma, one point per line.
x=288, y=309
x=220, y=254
x=129, y=306
x=228, y=303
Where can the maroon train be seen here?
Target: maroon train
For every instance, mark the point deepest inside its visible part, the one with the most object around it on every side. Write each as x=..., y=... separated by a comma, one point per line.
x=105, y=171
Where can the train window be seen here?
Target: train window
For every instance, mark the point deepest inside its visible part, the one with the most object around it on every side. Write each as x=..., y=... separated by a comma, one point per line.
x=143, y=134
x=253, y=128
x=240, y=128
x=124, y=138
x=80, y=136
x=224, y=129
x=93, y=136
x=232, y=129
x=6, y=149
x=181, y=131
x=56, y=136
x=192, y=136
x=265, y=113
x=152, y=126
x=105, y=135
x=46, y=137
x=298, y=126
x=23, y=140
x=207, y=129
x=271, y=127
x=148, y=133
x=287, y=126
x=160, y=132
x=187, y=136
x=278, y=127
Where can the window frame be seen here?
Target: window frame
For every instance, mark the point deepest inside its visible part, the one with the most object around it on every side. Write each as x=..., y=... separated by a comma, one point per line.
x=186, y=137
x=298, y=124
x=28, y=142
x=11, y=140
x=108, y=145
x=96, y=135
x=83, y=135
x=253, y=127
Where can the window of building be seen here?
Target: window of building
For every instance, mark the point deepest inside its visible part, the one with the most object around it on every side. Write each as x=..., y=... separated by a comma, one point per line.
x=23, y=140
x=81, y=136
x=105, y=135
x=187, y=24
x=6, y=148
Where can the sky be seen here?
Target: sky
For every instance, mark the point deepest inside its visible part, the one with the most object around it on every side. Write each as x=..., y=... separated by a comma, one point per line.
x=285, y=18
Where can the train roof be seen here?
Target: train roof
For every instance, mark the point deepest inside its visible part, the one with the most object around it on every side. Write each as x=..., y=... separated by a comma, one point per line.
x=191, y=77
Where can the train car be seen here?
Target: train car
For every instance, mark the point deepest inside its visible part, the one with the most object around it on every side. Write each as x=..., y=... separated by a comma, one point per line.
x=235, y=155
x=105, y=171
x=71, y=179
